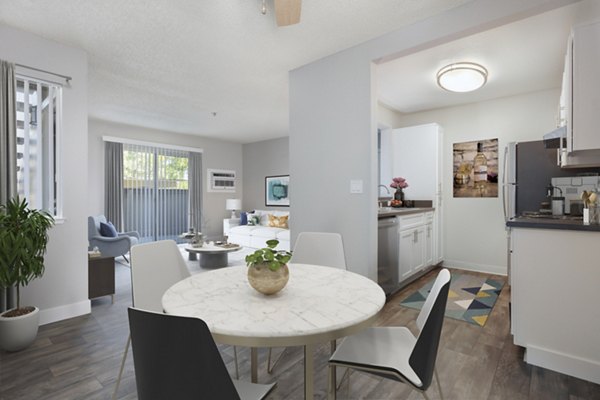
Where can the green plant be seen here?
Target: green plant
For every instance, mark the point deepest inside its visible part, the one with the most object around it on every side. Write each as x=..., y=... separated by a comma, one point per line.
x=23, y=240
x=275, y=259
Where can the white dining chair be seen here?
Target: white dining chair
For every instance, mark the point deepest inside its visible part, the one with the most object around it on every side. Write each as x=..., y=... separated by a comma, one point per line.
x=317, y=248
x=393, y=352
x=155, y=267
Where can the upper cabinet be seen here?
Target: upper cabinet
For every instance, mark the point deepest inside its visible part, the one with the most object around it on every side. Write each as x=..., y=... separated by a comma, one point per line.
x=580, y=98
x=585, y=107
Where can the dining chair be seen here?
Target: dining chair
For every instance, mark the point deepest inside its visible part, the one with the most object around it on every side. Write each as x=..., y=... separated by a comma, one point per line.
x=317, y=248
x=176, y=358
x=155, y=267
x=394, y=352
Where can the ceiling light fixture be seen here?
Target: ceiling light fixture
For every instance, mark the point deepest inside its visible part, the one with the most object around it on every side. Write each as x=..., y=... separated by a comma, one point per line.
x=462, y=77
x=263, y=9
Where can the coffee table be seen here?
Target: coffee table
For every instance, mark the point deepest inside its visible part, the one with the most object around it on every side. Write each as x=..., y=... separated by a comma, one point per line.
x=212, y=255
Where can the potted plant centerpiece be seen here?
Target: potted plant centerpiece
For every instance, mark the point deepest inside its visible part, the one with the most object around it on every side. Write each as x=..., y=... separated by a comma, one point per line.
x=267, y=268
x=23, y=240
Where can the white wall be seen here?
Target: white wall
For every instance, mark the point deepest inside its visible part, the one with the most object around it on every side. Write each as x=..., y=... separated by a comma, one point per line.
x=262, y=159
x=217, y=154
x=62, y=291
x=475, y=237
x=333, y=123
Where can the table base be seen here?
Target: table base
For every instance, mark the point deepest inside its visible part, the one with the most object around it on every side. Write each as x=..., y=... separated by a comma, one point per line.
x=213, y=260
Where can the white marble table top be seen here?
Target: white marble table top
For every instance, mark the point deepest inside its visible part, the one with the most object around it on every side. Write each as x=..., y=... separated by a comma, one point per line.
x=212, y=248
x=318, y=304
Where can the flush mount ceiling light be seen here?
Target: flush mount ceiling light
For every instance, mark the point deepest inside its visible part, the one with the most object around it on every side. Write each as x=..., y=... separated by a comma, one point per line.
x=462, y=77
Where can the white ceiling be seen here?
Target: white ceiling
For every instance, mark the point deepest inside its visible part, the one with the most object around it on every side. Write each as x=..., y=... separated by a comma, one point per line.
x=521, y=57
x=170, y=64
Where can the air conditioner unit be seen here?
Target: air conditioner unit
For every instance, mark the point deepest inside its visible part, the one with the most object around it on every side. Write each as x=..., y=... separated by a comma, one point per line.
x=221, y=181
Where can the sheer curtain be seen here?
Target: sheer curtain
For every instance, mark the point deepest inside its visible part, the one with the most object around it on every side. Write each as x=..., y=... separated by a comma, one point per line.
x=8, y=153
x=156, y=191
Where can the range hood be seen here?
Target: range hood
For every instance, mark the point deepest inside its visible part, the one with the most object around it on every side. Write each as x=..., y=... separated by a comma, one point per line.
x=552, y=139
x=574, y=159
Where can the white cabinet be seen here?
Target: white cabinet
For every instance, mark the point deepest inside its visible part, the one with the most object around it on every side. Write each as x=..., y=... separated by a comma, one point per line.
x=416, y=238
x=580, y=97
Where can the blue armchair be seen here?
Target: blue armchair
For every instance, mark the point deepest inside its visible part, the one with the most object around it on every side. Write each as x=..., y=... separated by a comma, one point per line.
x=110, y=246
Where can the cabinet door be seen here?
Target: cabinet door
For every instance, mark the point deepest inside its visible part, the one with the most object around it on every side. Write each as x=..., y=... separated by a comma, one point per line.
x=586, y=96
x=418, y=253
x=428, y=251
x=405, y=259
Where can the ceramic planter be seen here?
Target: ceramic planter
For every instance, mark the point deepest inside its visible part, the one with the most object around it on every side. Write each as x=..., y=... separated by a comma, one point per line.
x=266, y=281
x=17, y=333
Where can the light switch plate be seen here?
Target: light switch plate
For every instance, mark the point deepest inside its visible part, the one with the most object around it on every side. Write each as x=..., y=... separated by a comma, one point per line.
x=356, y=186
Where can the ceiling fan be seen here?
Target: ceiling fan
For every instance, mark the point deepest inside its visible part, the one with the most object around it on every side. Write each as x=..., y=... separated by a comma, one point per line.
x=287, y=12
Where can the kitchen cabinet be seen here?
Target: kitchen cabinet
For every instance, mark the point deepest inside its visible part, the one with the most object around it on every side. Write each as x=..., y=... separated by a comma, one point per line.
x=416, y=244
x=580, y=97
x=554, y=285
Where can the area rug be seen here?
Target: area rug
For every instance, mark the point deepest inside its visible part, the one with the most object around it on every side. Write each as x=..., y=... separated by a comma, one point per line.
x=471, y=298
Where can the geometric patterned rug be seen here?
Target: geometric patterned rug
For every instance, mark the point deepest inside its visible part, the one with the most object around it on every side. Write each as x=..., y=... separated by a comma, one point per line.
x=471, y=298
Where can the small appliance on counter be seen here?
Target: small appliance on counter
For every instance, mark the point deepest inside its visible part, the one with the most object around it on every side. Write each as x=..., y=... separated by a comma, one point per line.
x=558, y=202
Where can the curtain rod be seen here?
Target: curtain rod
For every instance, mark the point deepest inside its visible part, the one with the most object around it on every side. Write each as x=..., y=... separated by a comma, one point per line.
x=65, y=77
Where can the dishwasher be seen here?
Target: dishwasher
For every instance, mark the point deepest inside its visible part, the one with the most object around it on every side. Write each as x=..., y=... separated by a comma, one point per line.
x=388, y=243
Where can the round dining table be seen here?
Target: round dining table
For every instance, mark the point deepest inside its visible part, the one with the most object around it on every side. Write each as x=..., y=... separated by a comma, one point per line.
x=319, y=304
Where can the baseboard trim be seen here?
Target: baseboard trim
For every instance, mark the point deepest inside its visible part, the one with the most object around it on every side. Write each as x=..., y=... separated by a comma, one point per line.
x=489, y=269
x=67, y=311
x=568, y=364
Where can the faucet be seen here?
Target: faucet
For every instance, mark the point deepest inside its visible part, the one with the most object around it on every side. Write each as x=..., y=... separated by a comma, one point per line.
x=385, y=187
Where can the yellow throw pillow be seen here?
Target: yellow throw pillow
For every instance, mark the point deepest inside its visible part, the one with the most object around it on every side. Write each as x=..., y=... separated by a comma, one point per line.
x=278, y=222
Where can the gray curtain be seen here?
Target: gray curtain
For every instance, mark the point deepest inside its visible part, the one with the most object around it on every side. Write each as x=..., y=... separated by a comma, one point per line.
x=195, y=188
x=113, y=184
x=8, y=154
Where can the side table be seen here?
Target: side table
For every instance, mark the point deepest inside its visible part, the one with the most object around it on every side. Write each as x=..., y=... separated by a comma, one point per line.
x=101, y=277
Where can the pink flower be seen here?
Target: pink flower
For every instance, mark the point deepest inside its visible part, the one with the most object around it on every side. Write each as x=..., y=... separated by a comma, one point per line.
x=399, y=183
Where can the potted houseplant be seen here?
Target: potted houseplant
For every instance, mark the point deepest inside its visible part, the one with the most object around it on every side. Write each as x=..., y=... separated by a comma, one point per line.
x=23, y=240
x=267, y=268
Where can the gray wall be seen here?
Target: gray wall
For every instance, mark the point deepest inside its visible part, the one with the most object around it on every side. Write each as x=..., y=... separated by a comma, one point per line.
x=262, y=159
x=62, y=291
x=217, y=154
x=333, y=125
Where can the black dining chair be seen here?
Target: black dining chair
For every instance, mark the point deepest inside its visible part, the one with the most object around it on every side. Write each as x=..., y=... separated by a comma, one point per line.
x=393, y=352
x=176, y=358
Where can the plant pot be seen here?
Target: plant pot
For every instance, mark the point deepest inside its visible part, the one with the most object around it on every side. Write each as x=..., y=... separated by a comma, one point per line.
x=17, y=333
x=265, y=281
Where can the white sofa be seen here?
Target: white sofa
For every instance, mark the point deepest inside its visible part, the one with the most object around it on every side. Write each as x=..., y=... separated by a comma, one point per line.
x=256, y=236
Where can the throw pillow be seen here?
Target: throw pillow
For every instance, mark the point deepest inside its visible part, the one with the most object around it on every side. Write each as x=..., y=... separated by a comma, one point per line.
x=278, y=222
x=108, y=229
x=252, y=219
x=243, y=218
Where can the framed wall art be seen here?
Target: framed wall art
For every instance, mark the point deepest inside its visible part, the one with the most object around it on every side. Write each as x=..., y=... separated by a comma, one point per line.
x=475, y=168
x=277, y=191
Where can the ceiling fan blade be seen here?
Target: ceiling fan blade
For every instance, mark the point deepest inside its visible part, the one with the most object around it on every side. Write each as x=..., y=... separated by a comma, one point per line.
x=287, y=12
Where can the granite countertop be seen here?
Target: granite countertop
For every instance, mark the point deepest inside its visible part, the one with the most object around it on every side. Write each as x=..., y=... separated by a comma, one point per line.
x=551, y=223
x=392, y=212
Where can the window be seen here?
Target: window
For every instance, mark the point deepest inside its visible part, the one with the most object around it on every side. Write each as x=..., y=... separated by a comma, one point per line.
x=38, y=127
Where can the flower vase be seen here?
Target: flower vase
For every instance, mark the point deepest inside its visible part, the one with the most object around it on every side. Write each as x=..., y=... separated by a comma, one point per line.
x=399, y=195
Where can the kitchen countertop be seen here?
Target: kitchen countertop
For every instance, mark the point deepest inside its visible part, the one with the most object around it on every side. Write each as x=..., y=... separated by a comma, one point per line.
x=392, y=212
x=549, y=223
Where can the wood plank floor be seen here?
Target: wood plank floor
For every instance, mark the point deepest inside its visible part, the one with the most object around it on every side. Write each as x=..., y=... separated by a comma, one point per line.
x=79, y=359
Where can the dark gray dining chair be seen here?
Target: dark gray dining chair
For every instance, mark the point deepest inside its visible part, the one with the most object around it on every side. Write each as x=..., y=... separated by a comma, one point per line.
x=393, y=352
x=176, y=358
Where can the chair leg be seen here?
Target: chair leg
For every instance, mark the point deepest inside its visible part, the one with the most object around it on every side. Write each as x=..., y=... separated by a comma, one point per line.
x=125, y=257
x=237, y=370
x=425, y=395
x=122, y=366
x=437, y=378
